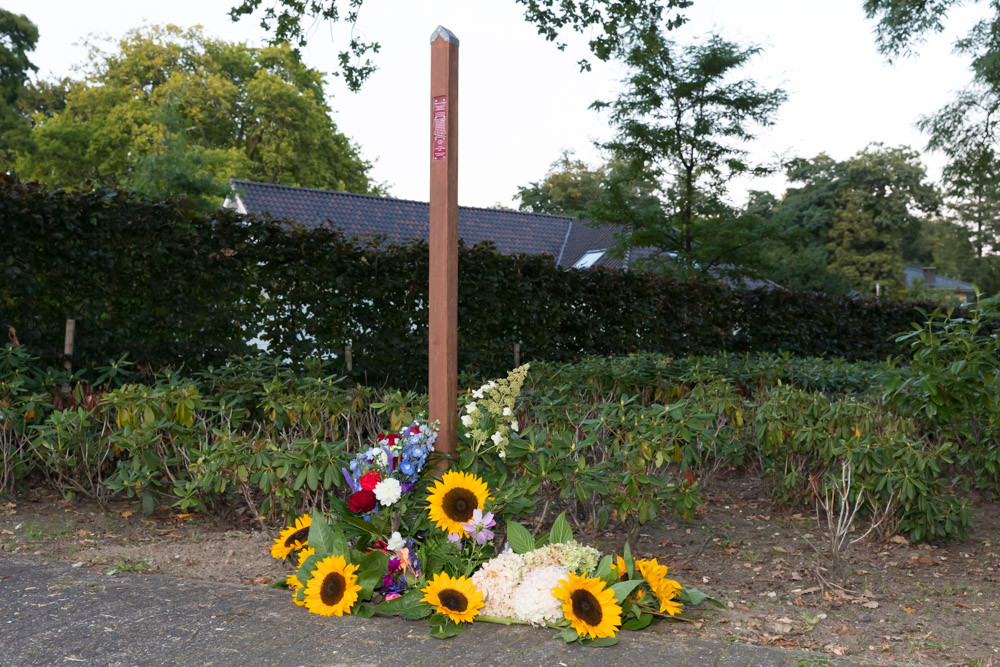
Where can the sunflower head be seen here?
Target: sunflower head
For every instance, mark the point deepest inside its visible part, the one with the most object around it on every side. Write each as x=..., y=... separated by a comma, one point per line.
x=456, y=598
x=292, y=538
x=454, y=498
x=666, y=590
x=333, y=588
x=589, y=606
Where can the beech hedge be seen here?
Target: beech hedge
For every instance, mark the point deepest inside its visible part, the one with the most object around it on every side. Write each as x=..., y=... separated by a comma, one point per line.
x=170, y=287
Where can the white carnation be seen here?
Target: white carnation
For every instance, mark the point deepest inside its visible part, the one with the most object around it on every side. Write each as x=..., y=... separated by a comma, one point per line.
x=388, y=491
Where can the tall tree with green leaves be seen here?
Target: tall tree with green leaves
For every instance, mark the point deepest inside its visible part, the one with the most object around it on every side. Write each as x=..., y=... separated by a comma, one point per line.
x=168, y=100
x=877, y=221
x=683, y=121
x=18, y=37
x=572, y=187
x=966, y=131
x=608, y=24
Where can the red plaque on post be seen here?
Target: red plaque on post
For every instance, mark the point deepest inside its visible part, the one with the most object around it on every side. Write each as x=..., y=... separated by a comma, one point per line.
x=440, y=136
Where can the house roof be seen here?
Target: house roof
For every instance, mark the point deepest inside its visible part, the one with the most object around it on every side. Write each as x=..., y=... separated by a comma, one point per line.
x=944, y=283
x=400, y=220
x=573, y=243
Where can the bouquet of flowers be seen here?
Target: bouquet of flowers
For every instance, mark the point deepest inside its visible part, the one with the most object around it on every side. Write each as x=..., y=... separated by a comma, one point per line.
x=448, y=572
x=383, y=478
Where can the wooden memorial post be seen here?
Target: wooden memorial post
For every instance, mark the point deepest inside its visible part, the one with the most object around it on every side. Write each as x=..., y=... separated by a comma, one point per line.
x=443, y=288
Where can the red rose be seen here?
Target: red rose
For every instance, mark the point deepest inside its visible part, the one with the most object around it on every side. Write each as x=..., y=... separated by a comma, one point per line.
x=370, y=480
x=361, y=502
x=390, y=440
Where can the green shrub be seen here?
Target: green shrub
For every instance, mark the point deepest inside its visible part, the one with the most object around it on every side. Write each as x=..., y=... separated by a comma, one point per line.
x=952, y=385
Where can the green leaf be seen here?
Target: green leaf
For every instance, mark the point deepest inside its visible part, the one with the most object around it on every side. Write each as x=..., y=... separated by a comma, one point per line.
x=371, y=568
x=629, y=562
x=519, y=538
x=362, y=610
x=600, y=641
x=281, y=584
x=561, y=532
x=604, y=567
x=304, y=573
x=693, y=597
x=321, y=537
x=568, y=635
x=443, y=627
x=623, y=588
x=638, y=623
x=408, y=605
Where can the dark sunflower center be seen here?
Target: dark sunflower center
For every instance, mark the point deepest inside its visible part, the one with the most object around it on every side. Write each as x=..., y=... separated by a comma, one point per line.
x=459, y=504
x=453, y=600
x=300, y=535
x=333, y=588
x=586, y=607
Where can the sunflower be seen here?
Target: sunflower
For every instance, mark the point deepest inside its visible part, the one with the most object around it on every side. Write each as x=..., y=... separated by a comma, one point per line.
x=457, y=598
x=453, y=499
x=589, y=606
x=292, y=538
x=294, y=585
x=333, y=588
x=665, y=589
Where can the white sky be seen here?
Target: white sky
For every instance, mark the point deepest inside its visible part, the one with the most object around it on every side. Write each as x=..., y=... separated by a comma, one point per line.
x=522, y=101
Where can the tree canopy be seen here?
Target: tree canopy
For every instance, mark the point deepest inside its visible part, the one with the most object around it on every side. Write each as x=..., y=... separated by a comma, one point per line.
x=609, y=24
x=171, y=111
x=683, y=121
x=18, y=37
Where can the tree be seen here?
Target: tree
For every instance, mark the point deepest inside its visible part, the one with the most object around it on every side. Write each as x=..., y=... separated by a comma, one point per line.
x=805, y=214
x=567, y=189
x=681, y=122
x=169, y=99
x=609, y=23
x=875, y=223
x=571, y=187
x=18, y=36
x=966, y=132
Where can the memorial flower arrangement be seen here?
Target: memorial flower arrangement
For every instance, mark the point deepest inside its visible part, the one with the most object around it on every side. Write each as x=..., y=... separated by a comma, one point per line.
x=411, y=540
x=449, y=572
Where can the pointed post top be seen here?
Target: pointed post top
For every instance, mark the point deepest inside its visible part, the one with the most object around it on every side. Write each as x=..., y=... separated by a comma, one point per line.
x=445, y=34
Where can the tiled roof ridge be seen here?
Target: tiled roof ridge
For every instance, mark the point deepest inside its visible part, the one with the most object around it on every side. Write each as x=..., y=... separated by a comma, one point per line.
x=561, y=218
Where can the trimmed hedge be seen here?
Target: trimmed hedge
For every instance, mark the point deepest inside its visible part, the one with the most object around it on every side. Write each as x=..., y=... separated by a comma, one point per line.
x=170, y=287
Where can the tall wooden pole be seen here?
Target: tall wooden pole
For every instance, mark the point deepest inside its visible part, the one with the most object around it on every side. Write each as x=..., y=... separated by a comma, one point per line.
x=443, y=306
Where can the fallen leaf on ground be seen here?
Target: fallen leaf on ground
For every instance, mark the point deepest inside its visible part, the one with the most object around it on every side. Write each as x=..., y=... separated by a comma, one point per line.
x=908, y=610
x=126, y=514
x=871, y=604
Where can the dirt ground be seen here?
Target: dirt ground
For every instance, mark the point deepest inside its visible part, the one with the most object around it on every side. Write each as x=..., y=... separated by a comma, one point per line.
x=902, y=603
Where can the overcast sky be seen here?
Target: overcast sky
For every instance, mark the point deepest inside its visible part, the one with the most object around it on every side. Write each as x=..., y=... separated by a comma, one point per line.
x=522, y=101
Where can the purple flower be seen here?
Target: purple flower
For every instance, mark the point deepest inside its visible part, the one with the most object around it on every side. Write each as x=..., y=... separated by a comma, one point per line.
x=350, y=480
x=454, y=538
x=386, y=580
x=478, y=526
x=406, y=487
x=394, y=565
